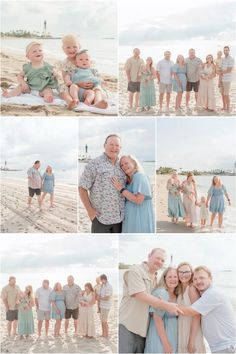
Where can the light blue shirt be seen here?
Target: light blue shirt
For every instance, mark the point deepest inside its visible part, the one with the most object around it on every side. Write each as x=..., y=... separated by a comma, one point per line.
x=218, y=319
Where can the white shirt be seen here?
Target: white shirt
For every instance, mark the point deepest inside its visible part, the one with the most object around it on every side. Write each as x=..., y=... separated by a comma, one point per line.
x=164, y=69
x=43, y=297
x=227, y=62
x=218, y=319
x=106, y=290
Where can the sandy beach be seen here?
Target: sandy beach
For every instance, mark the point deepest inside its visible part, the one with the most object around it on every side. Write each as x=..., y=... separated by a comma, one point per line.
x=16, y=218
x=125, y=111
x=66, y=343
x=164, y=224
x=11, y=65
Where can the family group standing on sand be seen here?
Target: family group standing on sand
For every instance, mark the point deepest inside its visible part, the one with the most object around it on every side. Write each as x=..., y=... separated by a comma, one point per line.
x=74, y=79
x=38, y=184
x=186, y=75
x=187, y=208
x=59, y=303
x=176, y=313
x=116, y=193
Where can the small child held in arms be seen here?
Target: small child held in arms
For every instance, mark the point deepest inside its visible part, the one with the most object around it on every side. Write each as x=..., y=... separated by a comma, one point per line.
x=84, y=73
x=203, y=211
x=39, y=75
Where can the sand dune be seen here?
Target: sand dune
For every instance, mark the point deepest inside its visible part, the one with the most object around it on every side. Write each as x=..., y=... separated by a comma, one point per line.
x=15, y=217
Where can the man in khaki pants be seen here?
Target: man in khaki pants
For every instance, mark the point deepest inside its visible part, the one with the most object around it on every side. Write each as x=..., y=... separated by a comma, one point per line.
x=105, y=299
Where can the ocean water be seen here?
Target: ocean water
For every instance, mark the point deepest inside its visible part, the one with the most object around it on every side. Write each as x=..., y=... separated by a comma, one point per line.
x=103, y=51
x=67, y=176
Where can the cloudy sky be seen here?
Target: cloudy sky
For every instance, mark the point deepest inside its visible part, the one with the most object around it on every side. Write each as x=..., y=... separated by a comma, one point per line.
x=137, y=135
x=200, y=143
x=171, y=20
x=52, y=141
x=57, y=257
x=134, y=249
x=93, y=18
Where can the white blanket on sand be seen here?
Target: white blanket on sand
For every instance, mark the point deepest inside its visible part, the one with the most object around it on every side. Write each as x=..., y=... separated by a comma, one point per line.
x=32, y=100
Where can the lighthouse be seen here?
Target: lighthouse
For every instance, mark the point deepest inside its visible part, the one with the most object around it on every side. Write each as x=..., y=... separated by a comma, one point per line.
x=45, y=28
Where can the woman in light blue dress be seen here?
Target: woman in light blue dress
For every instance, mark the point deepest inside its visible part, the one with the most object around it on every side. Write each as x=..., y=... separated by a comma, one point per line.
x=48, y=184
x=139, y=211
x=57, y=299
x=179, y=71
x=147, y=87
x=25, y=315
x=175, y=204
x=216, y=195
x=162, y=335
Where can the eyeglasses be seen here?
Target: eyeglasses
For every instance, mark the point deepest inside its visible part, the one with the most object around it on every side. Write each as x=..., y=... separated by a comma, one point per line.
x=185, y=273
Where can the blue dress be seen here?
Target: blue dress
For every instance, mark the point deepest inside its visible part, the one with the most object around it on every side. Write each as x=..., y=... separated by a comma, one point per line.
x=175, y=204
x=153, y=342
x=217, y=203
x=139, y=217
x=25, y=317
x=147, y=90
x=181, y=72
x=59, y=299
x=48, y=183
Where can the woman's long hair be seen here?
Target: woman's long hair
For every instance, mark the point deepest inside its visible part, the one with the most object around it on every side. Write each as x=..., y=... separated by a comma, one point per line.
x=190, y=280
x=137, y=166
x=162, y=281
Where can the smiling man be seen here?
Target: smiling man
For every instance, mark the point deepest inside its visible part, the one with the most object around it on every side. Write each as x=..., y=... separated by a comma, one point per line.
x=139, y=282
x=218, y=319
x=104, y=204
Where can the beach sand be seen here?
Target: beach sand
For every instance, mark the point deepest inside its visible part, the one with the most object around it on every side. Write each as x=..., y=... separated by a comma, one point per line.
x=164, y=224
x=125, y=111
x=11, y=65
x=66, y=343
x=16, y=218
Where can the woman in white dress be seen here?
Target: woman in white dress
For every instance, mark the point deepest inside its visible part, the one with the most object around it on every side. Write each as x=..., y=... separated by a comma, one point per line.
x=190, y=338
x=86, y=313
x=206, y=93
x=189, y=199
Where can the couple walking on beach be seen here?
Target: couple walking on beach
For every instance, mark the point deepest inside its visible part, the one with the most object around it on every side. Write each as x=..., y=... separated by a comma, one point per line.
x=183, y=76
x=59, y=303
x=176, y=313
x=187, y=208
x=38, y=184
x=116, y=193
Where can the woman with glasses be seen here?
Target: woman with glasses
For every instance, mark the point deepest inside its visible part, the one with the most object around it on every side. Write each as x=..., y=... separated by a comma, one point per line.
x=190, y=338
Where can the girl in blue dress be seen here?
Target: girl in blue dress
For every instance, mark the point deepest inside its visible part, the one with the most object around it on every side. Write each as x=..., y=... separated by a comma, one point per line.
x=48, y=184
x=139, y=211
x=147, y=86
x=57, y=298
x=162, y=335
x=25, y=315
x=216, y=195
x=175, y=204
x=179, y=71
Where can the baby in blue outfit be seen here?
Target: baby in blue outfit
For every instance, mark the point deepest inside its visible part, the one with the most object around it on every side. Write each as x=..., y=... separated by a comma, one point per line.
x=83, y=73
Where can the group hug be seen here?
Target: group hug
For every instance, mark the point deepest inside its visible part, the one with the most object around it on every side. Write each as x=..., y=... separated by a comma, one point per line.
x=116, y=193
x=74, y=80
x=185, y=75
x=40, y=185
x=186, y=208
x=60, y=303
x=181, y=311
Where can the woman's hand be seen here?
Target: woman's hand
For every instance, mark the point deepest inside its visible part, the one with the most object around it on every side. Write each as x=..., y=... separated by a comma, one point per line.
x=85, y=85
x=191, y=347
x=116, y=183
x=167, y=348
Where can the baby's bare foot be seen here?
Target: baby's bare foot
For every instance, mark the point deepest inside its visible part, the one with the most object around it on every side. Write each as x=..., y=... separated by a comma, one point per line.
x=6, y=94
x=48, y=99
x=101, y=104
x=73, y=104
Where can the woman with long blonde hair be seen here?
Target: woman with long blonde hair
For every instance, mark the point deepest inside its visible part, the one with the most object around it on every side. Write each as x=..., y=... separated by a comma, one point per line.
x=189, y=190
x=48, y=184
x=179, y=72
x=25, y=315
x=57, y=298
x=139, y=211
x=190, y=338
x=206, y=93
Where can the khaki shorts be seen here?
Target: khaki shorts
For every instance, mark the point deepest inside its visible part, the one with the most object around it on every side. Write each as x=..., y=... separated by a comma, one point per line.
x=104, y=314
x=43, y=315
x=165, y=88
x=225, y=88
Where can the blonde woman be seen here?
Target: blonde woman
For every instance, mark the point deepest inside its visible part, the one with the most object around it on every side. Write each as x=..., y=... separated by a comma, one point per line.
x=179, y=71
x=48, y=184
x=206, y=93
x=189, y=190
x=216, y=195
x=57, y=298
x=190, y=338
x=147, y=87
x=86, y=312
x=162, y=332
x=25, y=315
x=139, y=212
x=175, y=204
